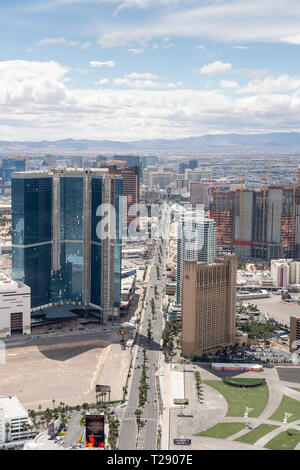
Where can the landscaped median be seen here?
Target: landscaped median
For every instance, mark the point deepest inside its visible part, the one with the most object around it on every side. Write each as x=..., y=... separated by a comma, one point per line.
x=240, y=398
x=286, y=440
x=222, y=430
x=289, y=405
x=256, y=433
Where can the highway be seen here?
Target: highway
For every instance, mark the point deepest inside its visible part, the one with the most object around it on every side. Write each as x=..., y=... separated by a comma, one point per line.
x=146, y=439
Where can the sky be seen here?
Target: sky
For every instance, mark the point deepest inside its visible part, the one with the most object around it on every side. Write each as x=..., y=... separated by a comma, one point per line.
x=146, y=69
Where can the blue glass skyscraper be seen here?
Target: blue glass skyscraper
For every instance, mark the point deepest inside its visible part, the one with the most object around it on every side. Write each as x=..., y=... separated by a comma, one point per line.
x=56, y=248
x=12, y=164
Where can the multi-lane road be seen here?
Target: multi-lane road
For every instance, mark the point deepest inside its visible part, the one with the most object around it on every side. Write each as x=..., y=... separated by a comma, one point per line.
x=129, y=438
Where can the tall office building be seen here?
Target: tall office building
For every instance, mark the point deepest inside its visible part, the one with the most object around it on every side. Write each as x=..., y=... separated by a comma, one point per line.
x=148, y=161
x=182, y=167
x=49, y=160
x=193, y=164
x=208, y=306
x=294, y=334
x=196, y=240
x=11, y=164
x=131, y=160
x=131, y=190
x=57, y=249
x=131, y=186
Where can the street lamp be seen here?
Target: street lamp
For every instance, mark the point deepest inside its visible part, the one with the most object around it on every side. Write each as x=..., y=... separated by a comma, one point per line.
x=285, y=419
x=246, y=415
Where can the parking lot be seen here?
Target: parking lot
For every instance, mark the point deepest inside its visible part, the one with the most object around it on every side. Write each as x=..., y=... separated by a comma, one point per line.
x=256, y=353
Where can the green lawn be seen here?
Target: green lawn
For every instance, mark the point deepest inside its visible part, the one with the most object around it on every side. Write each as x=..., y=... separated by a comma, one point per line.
x=284, y=441
x=288, y=405
x=238, y=398
x=252, y=436
x=222, y=430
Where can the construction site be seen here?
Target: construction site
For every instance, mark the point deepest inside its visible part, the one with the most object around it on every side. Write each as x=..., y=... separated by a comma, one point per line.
x=258, y=224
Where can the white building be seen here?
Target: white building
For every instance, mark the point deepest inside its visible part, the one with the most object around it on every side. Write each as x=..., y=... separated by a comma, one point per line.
x=285, y=272
x=196, y=241
x=14, y=420
x=14, y=307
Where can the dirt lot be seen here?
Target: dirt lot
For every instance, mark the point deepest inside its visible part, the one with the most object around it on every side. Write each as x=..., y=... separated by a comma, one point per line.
x=66, y=370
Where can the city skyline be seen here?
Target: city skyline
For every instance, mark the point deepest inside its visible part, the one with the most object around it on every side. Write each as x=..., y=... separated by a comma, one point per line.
x=133, y=69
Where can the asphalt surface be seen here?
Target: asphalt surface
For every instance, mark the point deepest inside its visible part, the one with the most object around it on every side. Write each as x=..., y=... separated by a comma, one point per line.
x=74, y=430
x=146, y=439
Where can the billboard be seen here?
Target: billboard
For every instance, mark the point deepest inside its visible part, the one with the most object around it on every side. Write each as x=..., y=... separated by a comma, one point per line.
x=181, y=401
x=53, y=427
x=51, y=430
x=102, y=388
x=94, y=431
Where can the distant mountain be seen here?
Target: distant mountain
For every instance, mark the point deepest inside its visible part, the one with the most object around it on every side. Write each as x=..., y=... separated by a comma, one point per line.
x=276, y=142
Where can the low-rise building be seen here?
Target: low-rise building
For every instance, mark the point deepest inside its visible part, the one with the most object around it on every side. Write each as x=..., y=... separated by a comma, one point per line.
x=14, y=420
x=285, y=272
x=15, y=311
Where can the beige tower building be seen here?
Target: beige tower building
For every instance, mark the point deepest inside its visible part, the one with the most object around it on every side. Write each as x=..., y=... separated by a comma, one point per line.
x=208, y=306
x=294, y=334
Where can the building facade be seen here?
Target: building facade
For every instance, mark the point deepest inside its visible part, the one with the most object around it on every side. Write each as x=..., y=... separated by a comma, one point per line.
x=15, y=307
x=294, y=334
x=258, y=224
x=285, y=272
x=208, y=306
x=11, y=164
x=196, y=240
x=58, y=250
x=14, y=420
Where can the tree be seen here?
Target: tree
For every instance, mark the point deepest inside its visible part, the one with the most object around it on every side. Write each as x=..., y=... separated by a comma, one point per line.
x=138, y=414
x=149, y=332
x=7, y=429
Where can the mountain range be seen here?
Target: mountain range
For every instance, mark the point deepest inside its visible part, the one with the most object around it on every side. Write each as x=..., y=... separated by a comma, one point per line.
x=276, y=142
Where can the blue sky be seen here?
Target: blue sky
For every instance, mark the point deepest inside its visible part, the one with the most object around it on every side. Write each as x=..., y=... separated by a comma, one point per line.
x=135, y=69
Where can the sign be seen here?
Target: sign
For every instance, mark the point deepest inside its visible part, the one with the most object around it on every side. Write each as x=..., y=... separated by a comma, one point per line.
x=182, y=442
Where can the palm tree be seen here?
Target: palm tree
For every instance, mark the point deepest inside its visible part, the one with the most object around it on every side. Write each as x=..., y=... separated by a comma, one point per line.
x=7, y=429
x=138, y=414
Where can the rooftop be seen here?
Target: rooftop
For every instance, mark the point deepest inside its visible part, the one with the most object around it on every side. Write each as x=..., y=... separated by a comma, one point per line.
x=12, y=407
x=7, y=284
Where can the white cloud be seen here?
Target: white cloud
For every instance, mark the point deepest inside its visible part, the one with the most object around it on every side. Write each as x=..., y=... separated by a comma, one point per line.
x=136, y=83
x=146, y=76
x=272, y=85
x=103, y=81
x=215, y=68
x=37, y=103
x=233, y=21
x=294, y=39
x=107, y=63
x=62, y=40
x=136, y=51
x=229, y=84
x=85, y=45
x=50, y=41
x=144, y=80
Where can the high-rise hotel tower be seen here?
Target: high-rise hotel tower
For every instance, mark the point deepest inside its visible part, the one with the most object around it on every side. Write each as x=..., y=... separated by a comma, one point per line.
x=58, y=249
x=196, y=240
